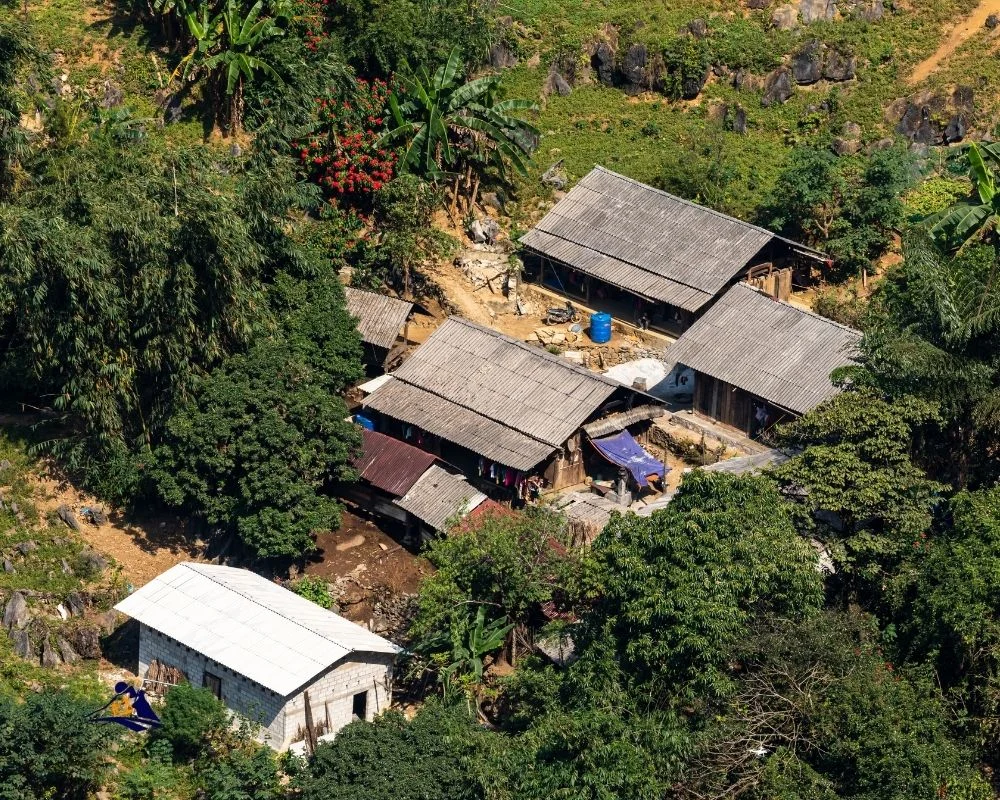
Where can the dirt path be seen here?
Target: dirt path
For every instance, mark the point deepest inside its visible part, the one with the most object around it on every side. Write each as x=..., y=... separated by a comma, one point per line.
x=956, y=38
x=143, y=550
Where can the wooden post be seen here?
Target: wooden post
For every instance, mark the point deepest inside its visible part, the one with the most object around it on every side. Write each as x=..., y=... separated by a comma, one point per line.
x=310, y=730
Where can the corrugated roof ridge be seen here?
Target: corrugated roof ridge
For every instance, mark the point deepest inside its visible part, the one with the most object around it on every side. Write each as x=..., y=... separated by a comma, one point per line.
x=535, y=351
x=192, y=565
x=700, y=207
x=806, y=311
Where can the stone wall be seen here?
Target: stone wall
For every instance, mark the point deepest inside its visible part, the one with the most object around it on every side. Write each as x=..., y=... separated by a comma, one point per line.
x=331, y=697
x=240, y=694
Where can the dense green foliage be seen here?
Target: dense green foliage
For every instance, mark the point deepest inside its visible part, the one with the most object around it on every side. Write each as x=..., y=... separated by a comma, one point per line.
x=190, y=717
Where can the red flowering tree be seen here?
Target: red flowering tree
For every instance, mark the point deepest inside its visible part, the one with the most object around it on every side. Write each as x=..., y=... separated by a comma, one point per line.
x=343, y=156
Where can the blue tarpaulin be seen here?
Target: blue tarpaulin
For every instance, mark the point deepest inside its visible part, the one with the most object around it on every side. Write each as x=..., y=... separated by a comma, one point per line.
x=623, y=450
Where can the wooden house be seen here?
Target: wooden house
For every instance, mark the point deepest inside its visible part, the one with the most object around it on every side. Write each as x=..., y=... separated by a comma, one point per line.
x=634, y=251
x=506, y=413
x=381, y=319
x=759, y=361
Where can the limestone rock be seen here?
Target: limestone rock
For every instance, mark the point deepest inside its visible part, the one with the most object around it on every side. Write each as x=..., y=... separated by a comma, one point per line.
x=15, y=614
x=736, y=120
x=955, y=129
x=603, y=62
x=992, y=21
x=93, y=561
x=75, y=604
x=86, y=640
x=691, y=87
x=918, y=126
x=555, y=83
x=69, y=655
x=838, y=67
x=22, y=645
x=634, y=68
x=50, y=658
x=66, y=515
x=817, y=10
x=501, y=56
x=785, y=18
x=26, y=547
x=777, y=87
x=845, y=147
x=65, y=567
x=8, y=567
x=807, y=63
x=698, y=28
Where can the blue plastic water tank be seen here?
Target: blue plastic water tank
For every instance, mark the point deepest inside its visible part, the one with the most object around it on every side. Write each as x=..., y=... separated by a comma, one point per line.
x=364, y=422
x=600, y=327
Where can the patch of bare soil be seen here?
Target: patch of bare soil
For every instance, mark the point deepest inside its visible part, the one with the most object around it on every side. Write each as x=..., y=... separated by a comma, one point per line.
x=374, y=576
x=143, y=548
x=962, y=31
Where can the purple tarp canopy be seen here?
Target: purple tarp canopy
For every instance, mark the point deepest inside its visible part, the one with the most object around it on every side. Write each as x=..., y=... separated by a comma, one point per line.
x=623, y=450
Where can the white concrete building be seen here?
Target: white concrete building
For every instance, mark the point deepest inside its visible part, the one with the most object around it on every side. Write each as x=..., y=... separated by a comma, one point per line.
x=263, y=650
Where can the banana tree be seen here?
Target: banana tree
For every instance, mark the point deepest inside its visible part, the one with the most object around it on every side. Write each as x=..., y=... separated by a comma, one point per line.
x=226, y=43
x=975, y=218
x=451, y=127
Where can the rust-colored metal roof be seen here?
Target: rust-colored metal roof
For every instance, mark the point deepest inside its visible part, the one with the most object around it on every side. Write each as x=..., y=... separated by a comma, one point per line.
x=389, y=464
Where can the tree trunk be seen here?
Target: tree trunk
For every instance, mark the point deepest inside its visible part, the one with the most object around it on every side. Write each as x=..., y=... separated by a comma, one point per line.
x=454, y=201
x=475, y=193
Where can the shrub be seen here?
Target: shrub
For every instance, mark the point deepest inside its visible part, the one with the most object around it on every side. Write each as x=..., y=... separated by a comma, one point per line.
x=314, y=589
x=190, y=717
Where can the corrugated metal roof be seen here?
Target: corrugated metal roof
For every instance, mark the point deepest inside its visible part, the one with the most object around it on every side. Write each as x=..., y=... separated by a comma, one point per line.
x=769, y=348
x=620, y=421
x=389, y=464
x=380, y=318
x=497, y=396
x=249, y=624
x=439, y=496
x=646, y=240
x=749, y=464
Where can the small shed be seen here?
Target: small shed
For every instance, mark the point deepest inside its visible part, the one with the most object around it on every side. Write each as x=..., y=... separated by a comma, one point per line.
x=380, y=321
x=409, y=485
x=502, y=411
x=759, y=361
x=268, y=654
x=631, y=250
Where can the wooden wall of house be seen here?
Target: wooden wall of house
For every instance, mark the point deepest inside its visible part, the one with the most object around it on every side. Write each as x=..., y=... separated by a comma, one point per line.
x=723, y=402
x=567, y=468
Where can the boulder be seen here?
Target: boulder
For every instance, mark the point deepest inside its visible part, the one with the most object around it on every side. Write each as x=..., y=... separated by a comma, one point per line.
x=691, y=87
x=50, y=658
x=917, y=125
x=807, y=63
x=603, y=62
x=69, y=655
x=634, y=68
x=736, y=120
x=785, y=18
x=881, y=144
x=22, y=645
x=75, y=604
x=955, y=129
x=838, y=67
x=845, y=147
x=86, y=640
x=8, y=567
x=65, y=567
x=93, y=562
x=698, y=28
x=817, y=10
x=26, y=547
x=870, y=11
x=15, y=614
x=777, y=87
x=556, y=84
x=66, y=515
x=484, y=231
x=93, y=514
x=992, y=21
x=501, y=56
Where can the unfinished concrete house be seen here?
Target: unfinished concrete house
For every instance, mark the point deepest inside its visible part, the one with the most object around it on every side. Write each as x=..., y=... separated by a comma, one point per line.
x=268, y=654
x=759, y=361
x=513, y=417
x=620, y=246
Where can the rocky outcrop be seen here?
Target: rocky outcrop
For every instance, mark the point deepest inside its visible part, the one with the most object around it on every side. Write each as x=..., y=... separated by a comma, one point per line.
x=777, y=87
x=634, y=74
x=555, y=83
x=603, y=63
x=817, y=10
x=15, y=615
x=785, y=18
x=918, y=125
x=838, y=67
x=21, y=642
x=807, y=63
x=67, y=515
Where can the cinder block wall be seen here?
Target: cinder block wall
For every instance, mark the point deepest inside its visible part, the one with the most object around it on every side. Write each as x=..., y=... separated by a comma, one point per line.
x=331, y=696
x=240, y=694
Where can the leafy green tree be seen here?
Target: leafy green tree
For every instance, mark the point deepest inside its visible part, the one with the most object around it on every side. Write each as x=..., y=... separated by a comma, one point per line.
x=190, y=717
x=49, y=749
x=679, y=589
x=242, y=770
x=442, y=752
x=16, y=51
x=846, y=206
x=952, y=618
x=854, y=476
x=976, y=218
x=445, y=124
x=227, y=44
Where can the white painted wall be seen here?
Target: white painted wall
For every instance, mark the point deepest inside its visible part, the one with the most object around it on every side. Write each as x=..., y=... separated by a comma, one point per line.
x=331, y=695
